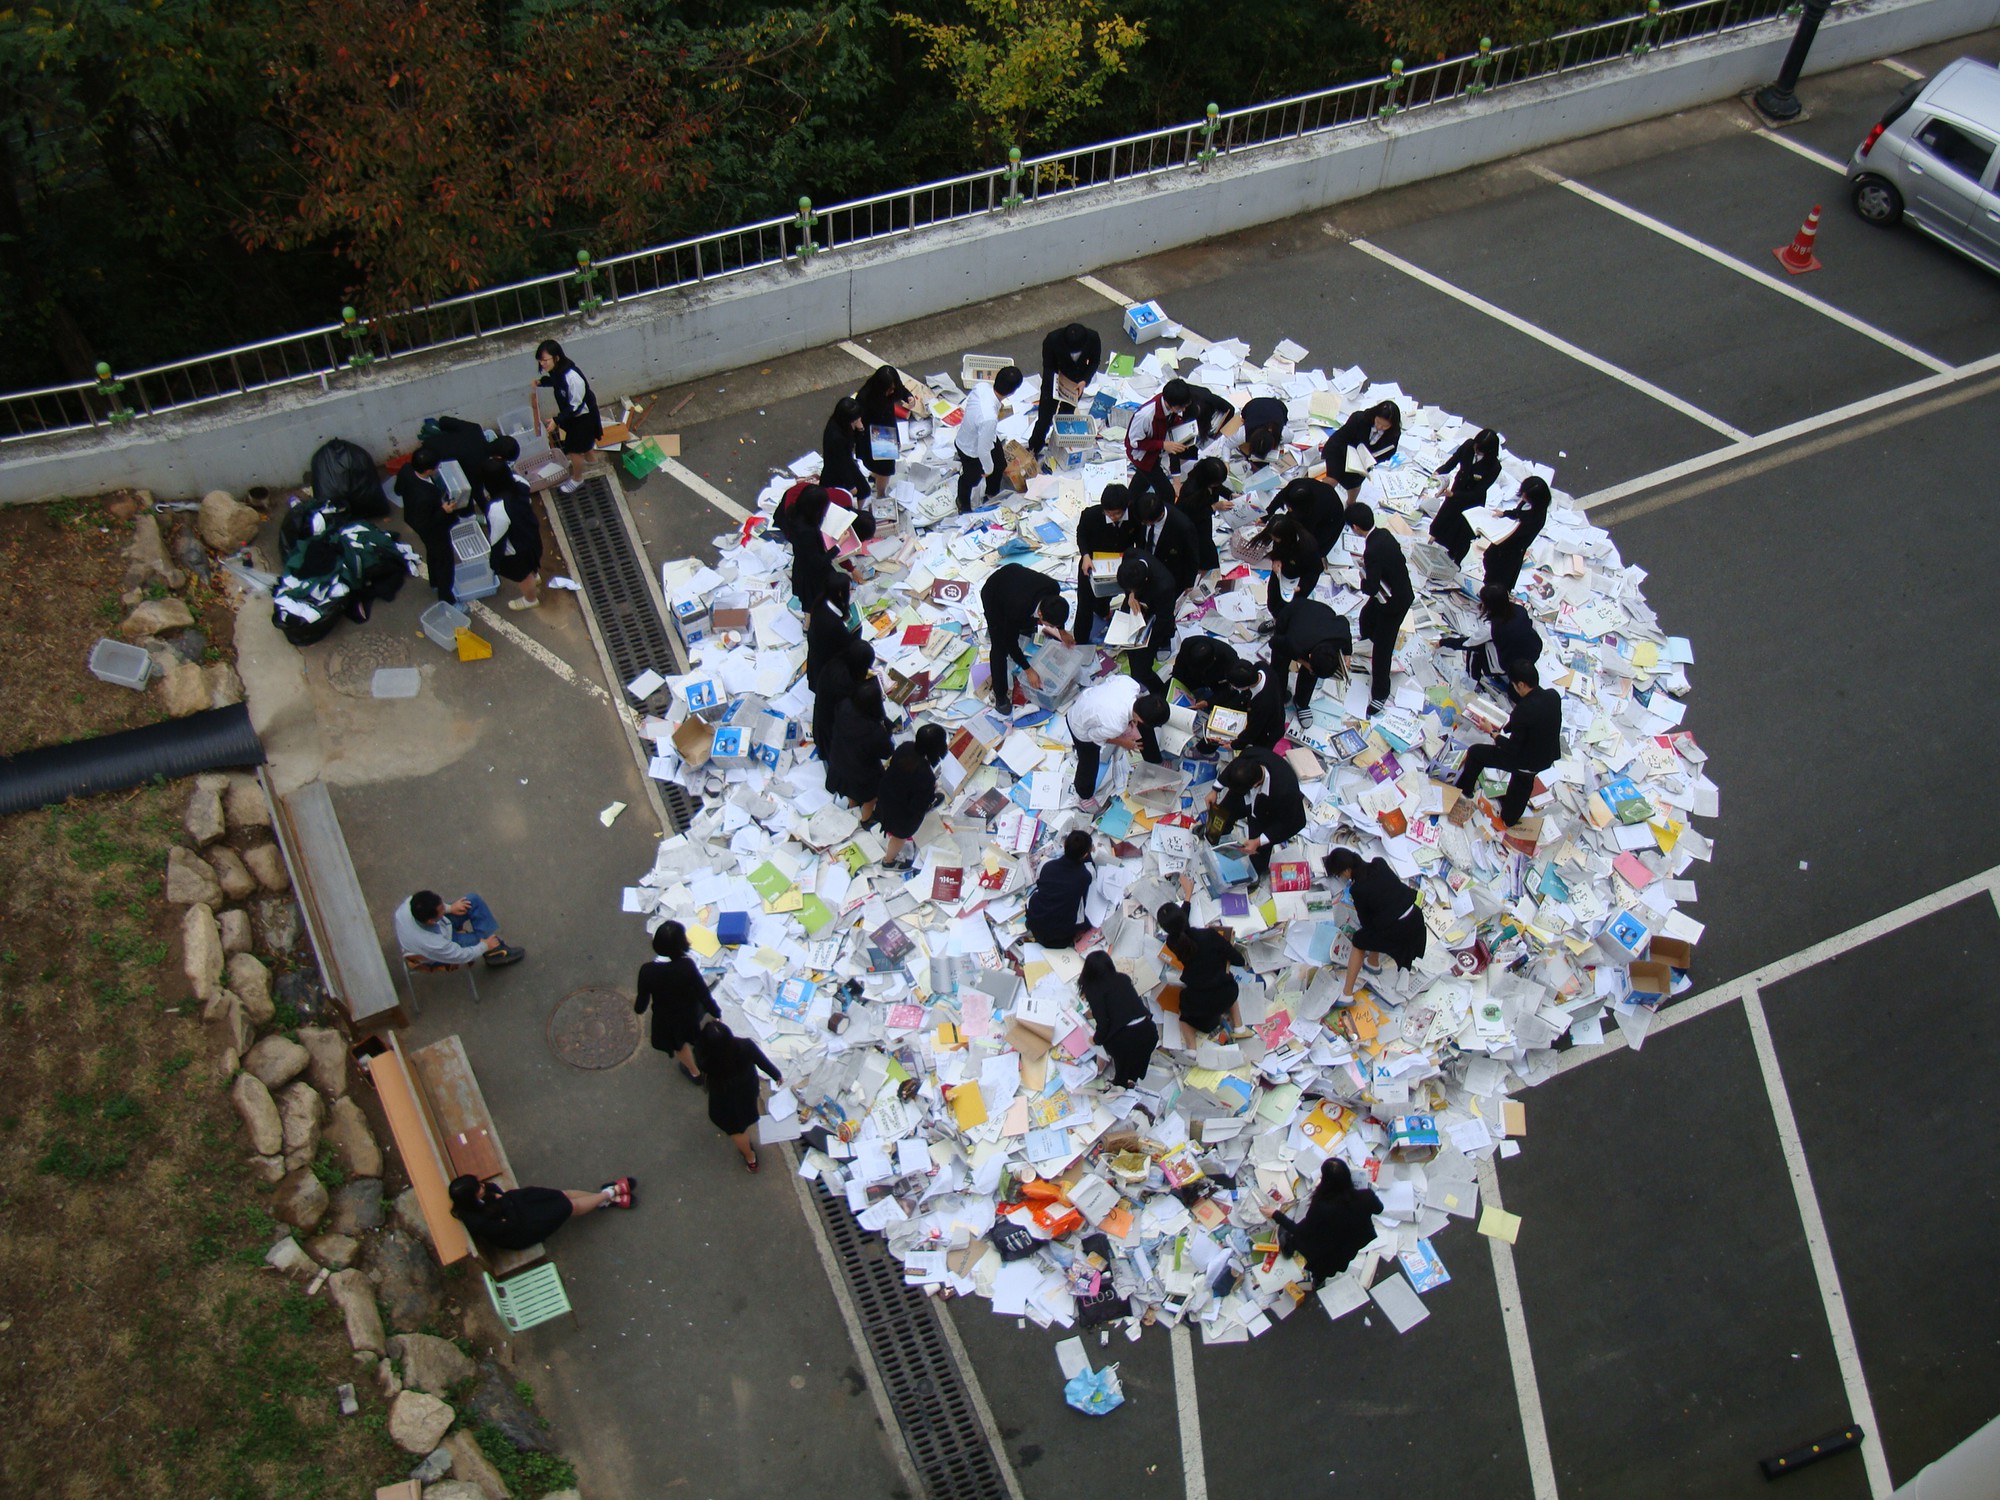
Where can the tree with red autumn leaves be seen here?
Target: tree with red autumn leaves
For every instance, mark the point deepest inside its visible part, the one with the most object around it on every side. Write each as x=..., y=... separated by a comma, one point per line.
x=437, y=149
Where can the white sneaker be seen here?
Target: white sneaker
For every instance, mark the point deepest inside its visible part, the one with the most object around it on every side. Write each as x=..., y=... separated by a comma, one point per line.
x=524, y=603
x=570, y=486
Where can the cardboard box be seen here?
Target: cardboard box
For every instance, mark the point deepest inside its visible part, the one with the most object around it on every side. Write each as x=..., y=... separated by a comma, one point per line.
x=731, y=746
x=732, y=928
x=1672, y=952
x=695, y=741
x=1652, y=983
x=1145, y=321
x=729, y=619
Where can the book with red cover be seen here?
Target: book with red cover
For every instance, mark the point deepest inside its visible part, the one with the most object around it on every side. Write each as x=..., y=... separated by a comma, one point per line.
x=947, y=882
x=1291, y=875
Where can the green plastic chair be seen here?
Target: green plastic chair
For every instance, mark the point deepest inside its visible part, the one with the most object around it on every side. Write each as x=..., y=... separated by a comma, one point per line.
x=530, y=1298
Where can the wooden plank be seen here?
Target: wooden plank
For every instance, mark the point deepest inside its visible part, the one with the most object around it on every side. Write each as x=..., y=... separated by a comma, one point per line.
x=329, y=894
x=397, y=1086
x=458, y=1106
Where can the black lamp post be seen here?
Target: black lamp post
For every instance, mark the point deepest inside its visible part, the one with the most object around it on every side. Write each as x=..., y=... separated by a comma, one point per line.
x=1777, y=99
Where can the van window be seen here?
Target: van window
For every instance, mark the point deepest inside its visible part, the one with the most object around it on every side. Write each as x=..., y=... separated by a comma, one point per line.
x=1958, y=149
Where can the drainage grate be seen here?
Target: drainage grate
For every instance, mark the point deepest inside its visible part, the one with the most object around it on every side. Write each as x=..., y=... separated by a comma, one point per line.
x=931, y=1403
x=615, y=589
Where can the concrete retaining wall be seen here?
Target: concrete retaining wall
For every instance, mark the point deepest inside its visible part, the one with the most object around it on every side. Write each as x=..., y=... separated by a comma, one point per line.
x=688, y=334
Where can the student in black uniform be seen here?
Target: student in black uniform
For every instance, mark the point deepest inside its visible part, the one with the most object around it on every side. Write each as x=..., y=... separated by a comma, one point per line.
x=1297, y=559
x=1318, y=643
x=671, y=986
x=729, y=1065
x=465, y=443
x=1201, y=665
x=513, y=531
x=427, y=511
x=1209, y=412
x=1477, y=461
x=1152, y=592
x=1055, y=906
x=1019, y=603
x=843, y=448
x=1205, y=487
x=1072, y=353
x=1378, y=429
x=1208, y=989
x=909, y=791
x=827, y=631
x=1387, y=921
x=521, y=1218
x=1258, y=692
x=1506, y=557
x=834, y=685
x=1338, y=1226
x=1263, y=430
x=1103, y=527
x=861, y=742
x=813, y=557
x=1317, y=507
x=1161, y=528
x=1120, y=1022
x=1260, y=789
x=1385, y=585
x=1531, y=743
x=1504, y=634
x=576, y=426
x=879, y=396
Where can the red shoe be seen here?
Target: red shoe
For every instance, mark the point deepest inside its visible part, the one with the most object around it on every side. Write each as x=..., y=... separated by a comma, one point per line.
x=623, y=1191
x=750, y=1165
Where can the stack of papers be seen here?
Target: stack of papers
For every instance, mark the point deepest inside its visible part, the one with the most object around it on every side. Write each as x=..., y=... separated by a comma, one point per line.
x=940, y=1069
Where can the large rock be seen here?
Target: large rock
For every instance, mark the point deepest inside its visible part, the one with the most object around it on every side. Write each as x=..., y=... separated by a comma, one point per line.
x=261, y=1120
x=183, y=690
x=201, y=951
x=246, y=803
x=224, y=686
x=410, y=1218
x=494, y=1401
x=190, y=881
x=203, y=819
x=300, y=1200
x=437, y=1465
x=277, y=922
x=266, y=863
x=269, y=1170
x=147, y=554
x=235, y=877
x=353, y=1143
x=354, y=1295
x=234, y=925
x=302, y=1112
x=155, y=617
x=238, y=1033
x=357, y=1208
x=286, y=1256
x=225, y=523
x=252, y=983
x=277, y=1060
x=328, y=1068
x=417, y=1422
x=334, y=1251
x=454, y=1489
x=405, y=1278
x=431, y=1365
x=470, y=1466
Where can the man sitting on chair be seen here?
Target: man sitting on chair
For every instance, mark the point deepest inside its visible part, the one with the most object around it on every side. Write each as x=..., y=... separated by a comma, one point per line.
x=428, y=929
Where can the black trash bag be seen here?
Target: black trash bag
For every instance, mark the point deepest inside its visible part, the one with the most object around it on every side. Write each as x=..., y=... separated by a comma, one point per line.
x=343, y=477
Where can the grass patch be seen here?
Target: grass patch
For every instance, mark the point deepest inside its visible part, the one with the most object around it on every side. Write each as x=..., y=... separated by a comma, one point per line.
x=524, y=1473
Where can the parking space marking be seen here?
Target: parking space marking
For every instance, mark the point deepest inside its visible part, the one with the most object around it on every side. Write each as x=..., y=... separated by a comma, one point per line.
x=704, y=489
x=1846, y=1352
x=1109, y=294
x=519, y=637
x=1514, y=1318
x=1797, y=963
x=848, y=346
x=1894, y=66
x=1762, y=278
x=1193, y=1466
x=1804, y=427
x=1553, y=341
x=1800, y=148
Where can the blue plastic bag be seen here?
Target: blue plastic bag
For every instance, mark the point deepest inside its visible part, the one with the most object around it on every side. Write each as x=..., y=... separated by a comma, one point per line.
x=1095, y=1392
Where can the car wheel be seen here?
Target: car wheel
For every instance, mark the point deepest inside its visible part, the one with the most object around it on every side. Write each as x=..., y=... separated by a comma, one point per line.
x=1877, y=201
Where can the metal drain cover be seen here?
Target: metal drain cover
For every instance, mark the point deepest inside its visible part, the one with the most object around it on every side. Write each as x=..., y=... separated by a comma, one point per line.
x=351, y=661
x=594, y=1027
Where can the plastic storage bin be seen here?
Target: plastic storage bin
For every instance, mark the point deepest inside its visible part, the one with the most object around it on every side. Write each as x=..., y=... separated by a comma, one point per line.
x=468, y=542
x=515, y=421
x=120, y=665
x=396, y=682
x=442, y=623
x=474, y=580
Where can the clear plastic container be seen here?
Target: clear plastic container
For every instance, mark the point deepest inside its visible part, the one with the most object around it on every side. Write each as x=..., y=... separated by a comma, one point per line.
x=442, y=623
x=474, y=581
x=120, y=665
x=468, y=542
x=516, y=421
x=396, y=682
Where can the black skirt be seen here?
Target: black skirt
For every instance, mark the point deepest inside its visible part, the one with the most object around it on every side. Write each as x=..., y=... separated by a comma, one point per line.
x=1403, y=940
x=1206, y=1007
x=1130, y=1049
x=732, y=1106
x=525, y=558
x=525, y=1216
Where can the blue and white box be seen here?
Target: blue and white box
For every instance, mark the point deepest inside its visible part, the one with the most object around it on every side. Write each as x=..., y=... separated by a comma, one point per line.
x=1145, y=321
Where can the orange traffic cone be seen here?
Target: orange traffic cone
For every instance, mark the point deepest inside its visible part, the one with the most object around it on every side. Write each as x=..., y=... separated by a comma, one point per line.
x=1797, y=258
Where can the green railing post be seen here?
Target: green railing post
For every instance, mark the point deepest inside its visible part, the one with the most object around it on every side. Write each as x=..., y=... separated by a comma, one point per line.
x=585, y=278
x=1648, y=25
x=115, y=412
x=1013, y=199
x=1396, y=82
x=1479, y=66
x=354, y=329
x=805, y=222
x=1208, y=152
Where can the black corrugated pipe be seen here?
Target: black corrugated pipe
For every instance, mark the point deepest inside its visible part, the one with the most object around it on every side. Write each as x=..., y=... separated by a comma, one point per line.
x=211, y=740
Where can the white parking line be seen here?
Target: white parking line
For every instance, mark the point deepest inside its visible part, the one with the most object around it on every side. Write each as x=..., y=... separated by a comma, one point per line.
x=1766, y=279
x=1194, y=1468
x=1560, y=345
x=1860, y=1406
x=1109, y=294
x=1514, y=1318
x=704, y=489
x=536, y=649
x=1800, y=148
x=848, y=346
x=1899, y=67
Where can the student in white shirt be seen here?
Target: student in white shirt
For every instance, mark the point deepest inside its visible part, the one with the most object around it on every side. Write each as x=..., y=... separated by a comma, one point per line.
x=1115, y=714
x=978, y=442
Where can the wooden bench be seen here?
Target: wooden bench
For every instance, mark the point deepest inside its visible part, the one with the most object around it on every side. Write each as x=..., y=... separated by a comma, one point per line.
x=344, y=939
x=443, y=1130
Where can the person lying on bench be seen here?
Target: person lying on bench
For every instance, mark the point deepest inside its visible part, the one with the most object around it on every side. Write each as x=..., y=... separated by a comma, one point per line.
x=517, y=1218
x=428, y=929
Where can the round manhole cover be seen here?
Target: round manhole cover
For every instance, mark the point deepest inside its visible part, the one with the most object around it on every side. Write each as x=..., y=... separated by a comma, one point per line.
x=594, y=1027
x=352, y=661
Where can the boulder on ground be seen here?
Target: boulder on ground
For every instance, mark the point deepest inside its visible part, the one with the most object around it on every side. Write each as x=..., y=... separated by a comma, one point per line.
x=190, y=880
x=245, y=803
x=418, y=1422
x=184, y=690
x=147, y=554
x=203, y=818
x=277, y=1060
x=302, y=1112
x=470, y=1466
x=155, y=617
x=235, y=877
x=328, y=1068
x=334, y=1251
x=252, y=983
x=225, y=523
x=234, y=925
x=406, y=1279
x=354, y=1295
x=201, y=950
x=266, y=863
x=300, y=1200
x=432, y=1365
x=354, y=1146
x=357, y=1208
x=261, y=1120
